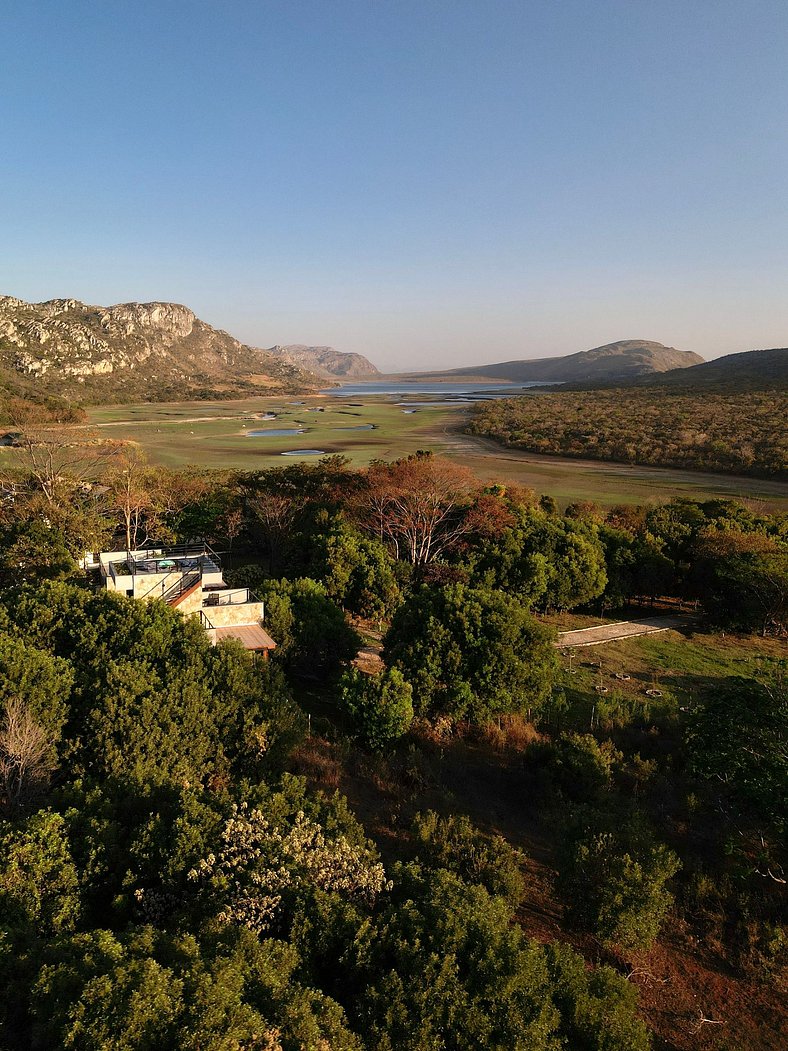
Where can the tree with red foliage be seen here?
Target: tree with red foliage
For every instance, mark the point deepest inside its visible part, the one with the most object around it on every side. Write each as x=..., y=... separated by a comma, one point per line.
x=419, y=504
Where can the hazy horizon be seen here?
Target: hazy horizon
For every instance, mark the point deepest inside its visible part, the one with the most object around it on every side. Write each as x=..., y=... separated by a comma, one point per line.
x=432, y=185
x=394, y=370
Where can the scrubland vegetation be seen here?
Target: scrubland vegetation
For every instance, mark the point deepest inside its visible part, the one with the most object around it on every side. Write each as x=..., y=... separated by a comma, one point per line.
x=487, y=843
x=704, y=430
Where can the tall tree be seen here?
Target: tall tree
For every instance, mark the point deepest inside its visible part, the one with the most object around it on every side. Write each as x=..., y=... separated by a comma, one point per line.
x=56, y=454
x=743, y=580
x=357, y=570
x=131, y=497
x=419, y=505
x=546, y=561
x=470, y=653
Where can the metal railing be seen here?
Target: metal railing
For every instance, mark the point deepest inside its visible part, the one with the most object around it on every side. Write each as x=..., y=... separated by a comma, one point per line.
x=112, y=568
x=164, y=559
x=180, y=587
x=228, y=597
x=200, y=551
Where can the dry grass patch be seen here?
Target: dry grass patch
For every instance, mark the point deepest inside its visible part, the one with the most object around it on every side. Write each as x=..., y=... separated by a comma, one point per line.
x=316, y=759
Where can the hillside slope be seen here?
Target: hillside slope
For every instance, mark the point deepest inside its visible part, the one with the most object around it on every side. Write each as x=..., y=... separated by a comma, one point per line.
x=152, y=351
x=325, y=361
x=625, y=359
x=749, y=370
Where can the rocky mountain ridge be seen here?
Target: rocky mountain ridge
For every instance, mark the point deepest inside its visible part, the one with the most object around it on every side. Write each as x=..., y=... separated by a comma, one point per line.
x=325, y=361
x=155, y=351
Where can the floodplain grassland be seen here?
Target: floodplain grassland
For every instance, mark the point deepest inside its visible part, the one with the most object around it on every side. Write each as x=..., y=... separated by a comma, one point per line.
x=215, y=434
x=569, y=480
x=218, y=434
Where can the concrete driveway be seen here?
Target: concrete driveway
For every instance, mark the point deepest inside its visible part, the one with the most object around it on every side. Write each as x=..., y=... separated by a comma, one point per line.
x=625, y=629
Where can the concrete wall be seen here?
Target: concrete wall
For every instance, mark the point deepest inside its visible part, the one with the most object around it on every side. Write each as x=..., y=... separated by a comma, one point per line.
x=191, y=604
x=153, y=585
x=238, y=613
x=122, y=584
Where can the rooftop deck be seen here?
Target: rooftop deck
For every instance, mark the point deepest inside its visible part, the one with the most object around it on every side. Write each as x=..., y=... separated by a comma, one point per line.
x=182, y=559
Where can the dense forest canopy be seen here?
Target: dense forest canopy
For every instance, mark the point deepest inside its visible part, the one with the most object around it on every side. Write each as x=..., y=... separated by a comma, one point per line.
x=173, y=876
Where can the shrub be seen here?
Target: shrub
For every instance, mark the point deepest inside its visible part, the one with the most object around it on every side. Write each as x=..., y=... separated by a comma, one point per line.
x=380, y=707
x=598, y=1008
x=579, y=766
x=311, y=632
x=470, y=653
x=615, y=885
x=454, y=843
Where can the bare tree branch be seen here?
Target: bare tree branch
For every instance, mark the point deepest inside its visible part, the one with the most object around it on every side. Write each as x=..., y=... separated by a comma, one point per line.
x=26, y=757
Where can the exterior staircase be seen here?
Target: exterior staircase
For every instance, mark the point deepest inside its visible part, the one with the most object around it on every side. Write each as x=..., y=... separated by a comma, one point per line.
x=182, y=588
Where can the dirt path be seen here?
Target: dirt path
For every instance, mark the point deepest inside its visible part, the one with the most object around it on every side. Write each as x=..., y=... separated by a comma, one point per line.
x=625, y=629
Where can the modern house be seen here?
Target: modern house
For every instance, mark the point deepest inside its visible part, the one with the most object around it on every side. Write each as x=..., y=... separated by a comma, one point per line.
x=189, y=578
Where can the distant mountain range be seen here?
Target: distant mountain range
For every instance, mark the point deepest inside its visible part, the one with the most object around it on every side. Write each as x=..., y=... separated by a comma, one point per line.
x=69, y=350
x=146, y=351
x=325, y=361
x=627, y=359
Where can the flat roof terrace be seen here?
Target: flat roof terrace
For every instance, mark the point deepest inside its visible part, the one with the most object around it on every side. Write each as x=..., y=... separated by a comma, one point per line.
x=168, y=563
x=183, y=558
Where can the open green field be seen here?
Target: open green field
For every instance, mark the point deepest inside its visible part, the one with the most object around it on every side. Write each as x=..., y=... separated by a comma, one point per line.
x=683, y=666
x=216, y=434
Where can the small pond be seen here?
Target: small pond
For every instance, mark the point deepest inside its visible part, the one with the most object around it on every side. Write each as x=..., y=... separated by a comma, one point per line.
x=304, y=452
x=275, y=432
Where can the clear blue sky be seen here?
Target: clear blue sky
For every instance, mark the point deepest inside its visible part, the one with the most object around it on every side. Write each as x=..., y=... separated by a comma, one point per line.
x=431, y=183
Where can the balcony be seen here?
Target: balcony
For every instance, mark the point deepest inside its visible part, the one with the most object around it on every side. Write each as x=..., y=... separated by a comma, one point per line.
x=226, y=596
x=232, y=606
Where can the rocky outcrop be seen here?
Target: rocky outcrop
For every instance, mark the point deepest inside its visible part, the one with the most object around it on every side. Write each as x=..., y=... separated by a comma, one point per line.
x=155, y=351
x=325, y=361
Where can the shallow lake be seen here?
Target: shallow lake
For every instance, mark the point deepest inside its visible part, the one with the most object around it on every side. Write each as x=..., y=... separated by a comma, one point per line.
x=304, y=452
x=471, y=391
